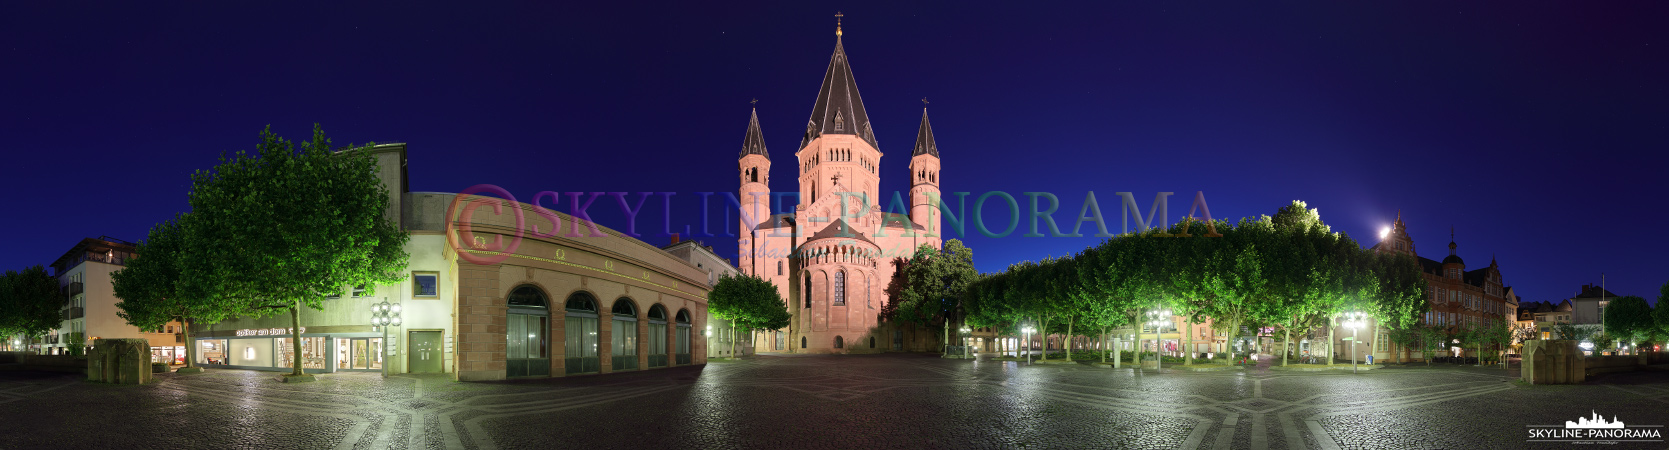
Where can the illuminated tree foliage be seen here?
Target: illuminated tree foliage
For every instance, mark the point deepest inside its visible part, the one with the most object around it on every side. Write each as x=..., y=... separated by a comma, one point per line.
x=281, y=229
x=1288, y=271
x=748, y=302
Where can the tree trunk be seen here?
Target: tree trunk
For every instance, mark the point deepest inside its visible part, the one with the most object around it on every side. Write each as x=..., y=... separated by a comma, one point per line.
x=732, y=342
x=1103, y=348
x=1286, y=346
x=1042, y=329
x=1188, y=341
x=190, y=348
x=295, y=340
x=1069, y=338
x=1329, y=342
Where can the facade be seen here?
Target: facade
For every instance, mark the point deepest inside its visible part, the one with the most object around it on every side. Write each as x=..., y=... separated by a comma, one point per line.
x=832, y=254
x=480, y=301
x=1588, y=305
x=90, y=312
x=1458, y=297
x=719, y=333
x=1544, y=316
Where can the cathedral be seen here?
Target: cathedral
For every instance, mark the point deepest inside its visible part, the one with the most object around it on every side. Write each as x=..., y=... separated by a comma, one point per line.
x=833, y=253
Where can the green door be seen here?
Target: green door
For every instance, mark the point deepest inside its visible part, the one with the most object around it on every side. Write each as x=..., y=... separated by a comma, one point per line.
x=425, y=352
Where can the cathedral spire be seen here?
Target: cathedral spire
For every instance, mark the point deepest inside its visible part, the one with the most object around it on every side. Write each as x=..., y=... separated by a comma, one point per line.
x=754, y=142
x=839, y=109
x=924, y=138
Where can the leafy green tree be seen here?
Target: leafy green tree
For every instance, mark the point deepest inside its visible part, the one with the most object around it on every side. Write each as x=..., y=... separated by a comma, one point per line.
x=149, y=287
x=1627, y=318
x=935, y=281
x=1432, y=339
x=281, y=229
x=748, y=302
x=29, y=303
x=1569, y=332
x=1660, y=314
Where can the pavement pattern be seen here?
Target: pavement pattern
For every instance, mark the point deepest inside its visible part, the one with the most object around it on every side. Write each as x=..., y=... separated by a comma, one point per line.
x=815, y=402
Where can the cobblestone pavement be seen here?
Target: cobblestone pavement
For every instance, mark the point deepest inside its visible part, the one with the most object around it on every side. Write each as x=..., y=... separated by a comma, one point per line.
x=794, y=402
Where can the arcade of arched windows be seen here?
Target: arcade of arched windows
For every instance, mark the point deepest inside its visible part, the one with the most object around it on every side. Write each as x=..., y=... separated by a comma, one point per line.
x=838, y=254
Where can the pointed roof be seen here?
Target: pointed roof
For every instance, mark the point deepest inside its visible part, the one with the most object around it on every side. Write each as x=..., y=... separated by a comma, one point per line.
x=754, y=142
x=839, y=109
x=924, y=138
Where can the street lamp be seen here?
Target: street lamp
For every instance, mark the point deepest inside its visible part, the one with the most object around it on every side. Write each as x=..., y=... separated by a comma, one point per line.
x=1158, y=319
x=384, y=315
x=1028, y=333
x=966, y=337
x=1354, y=320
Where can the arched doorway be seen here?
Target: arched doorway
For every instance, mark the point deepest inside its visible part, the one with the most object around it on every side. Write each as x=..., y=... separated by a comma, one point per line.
x=683, y=337
x=657, y=336
x=580, y=335
x=840, y=342
x=527, y=329
x=623, y=337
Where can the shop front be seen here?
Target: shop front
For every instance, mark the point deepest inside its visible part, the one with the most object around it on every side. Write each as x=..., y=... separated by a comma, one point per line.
x=273, y=349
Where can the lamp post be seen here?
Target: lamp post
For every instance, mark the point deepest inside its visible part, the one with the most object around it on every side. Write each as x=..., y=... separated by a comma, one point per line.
x=1158, y=319
x=1353, y=320
x=966, y=337
x=1028, y=333
x=383, y=315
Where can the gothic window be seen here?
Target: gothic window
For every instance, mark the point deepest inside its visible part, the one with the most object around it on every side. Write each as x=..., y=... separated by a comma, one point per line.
x=802, y=342
x=839, y=288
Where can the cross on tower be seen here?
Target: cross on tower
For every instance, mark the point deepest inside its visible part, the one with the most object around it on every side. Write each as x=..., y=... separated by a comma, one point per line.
x=754, y=102
x=838, y=15
x=924, y=101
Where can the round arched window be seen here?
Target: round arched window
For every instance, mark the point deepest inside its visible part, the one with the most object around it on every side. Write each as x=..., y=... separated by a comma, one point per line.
x=623, y=307
x=527, y=296
x=683, y=316
x=582, y=302
x=657, y=313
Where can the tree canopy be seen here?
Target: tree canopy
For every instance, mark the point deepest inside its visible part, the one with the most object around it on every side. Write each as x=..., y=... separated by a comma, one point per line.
x=29, y=302
x=749, y=303
x=1628, y=318
x=149, y=287
x=286, y=226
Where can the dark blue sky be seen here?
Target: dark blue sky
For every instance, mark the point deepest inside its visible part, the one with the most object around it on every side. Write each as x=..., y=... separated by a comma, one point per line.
x=1536, y=130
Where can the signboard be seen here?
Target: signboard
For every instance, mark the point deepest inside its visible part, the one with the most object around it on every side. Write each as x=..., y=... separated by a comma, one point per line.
x=267, y=331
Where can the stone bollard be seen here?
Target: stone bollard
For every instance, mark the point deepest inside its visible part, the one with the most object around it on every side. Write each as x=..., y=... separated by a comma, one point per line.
x=1552, y=362
x=120, y=361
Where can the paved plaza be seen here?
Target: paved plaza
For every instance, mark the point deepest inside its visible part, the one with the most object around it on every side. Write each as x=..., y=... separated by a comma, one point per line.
x=873, y=401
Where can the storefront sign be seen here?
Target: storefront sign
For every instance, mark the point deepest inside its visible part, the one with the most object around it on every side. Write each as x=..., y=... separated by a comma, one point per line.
x=267, y=331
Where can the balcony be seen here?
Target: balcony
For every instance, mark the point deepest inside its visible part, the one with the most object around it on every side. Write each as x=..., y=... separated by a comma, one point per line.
x=76, y=312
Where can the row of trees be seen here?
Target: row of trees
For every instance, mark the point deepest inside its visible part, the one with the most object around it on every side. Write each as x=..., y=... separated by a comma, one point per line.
x=29, y=303
x=269, y=232
x=1288, y=272
x=1629, y=320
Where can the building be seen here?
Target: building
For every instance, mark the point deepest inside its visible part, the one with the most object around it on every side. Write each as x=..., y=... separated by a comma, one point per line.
x=1544, y=317
x=480, y=301
x=1459, y=298
x=833, y=252
x=1588, y=305
x=90, y=311
x=720, y=334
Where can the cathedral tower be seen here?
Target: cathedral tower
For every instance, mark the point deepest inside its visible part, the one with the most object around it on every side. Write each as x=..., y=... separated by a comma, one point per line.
x=838, y=152
x=924, y=181
x=754, y=163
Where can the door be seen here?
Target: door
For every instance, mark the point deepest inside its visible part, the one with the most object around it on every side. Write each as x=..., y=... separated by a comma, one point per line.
x=425, y=350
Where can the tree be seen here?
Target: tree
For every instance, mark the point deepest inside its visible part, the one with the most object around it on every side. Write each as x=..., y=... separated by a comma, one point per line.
x=1432, y=339
x=149, y=287
x=283, y=228
x=29, y=303
x=748, y=302
x=934, y=283
x=1660, y=315
x=1569, y=332
x=1628, y=318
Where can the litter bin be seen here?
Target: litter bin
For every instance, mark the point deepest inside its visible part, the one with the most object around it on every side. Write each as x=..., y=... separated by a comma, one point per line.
x=1370, y=360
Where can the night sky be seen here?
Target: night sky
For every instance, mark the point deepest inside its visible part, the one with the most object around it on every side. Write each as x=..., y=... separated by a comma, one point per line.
x=1536, y=130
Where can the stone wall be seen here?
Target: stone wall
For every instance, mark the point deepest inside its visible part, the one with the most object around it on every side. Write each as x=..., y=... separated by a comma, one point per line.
x=1552, y=362
x=120, y=361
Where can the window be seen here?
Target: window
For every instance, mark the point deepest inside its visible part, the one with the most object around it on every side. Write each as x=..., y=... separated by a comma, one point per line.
x=840, y=342
x=807, y=291
x=779, y=268
x=359, y=291
x=839, y=293
x=425, y=285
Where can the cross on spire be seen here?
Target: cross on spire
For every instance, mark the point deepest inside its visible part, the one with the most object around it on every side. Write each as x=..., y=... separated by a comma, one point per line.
x=754, y=102
x=838, y=15
x=924, y=101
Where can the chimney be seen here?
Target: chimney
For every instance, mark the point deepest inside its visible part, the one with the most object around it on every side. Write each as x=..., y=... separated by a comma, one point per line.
x=674, y=238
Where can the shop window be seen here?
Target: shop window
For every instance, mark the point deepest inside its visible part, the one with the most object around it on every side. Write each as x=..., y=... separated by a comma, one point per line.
x=425, y=285
x=657, y=336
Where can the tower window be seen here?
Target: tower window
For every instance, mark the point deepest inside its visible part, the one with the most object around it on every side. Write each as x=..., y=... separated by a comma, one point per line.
x=839, y=288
